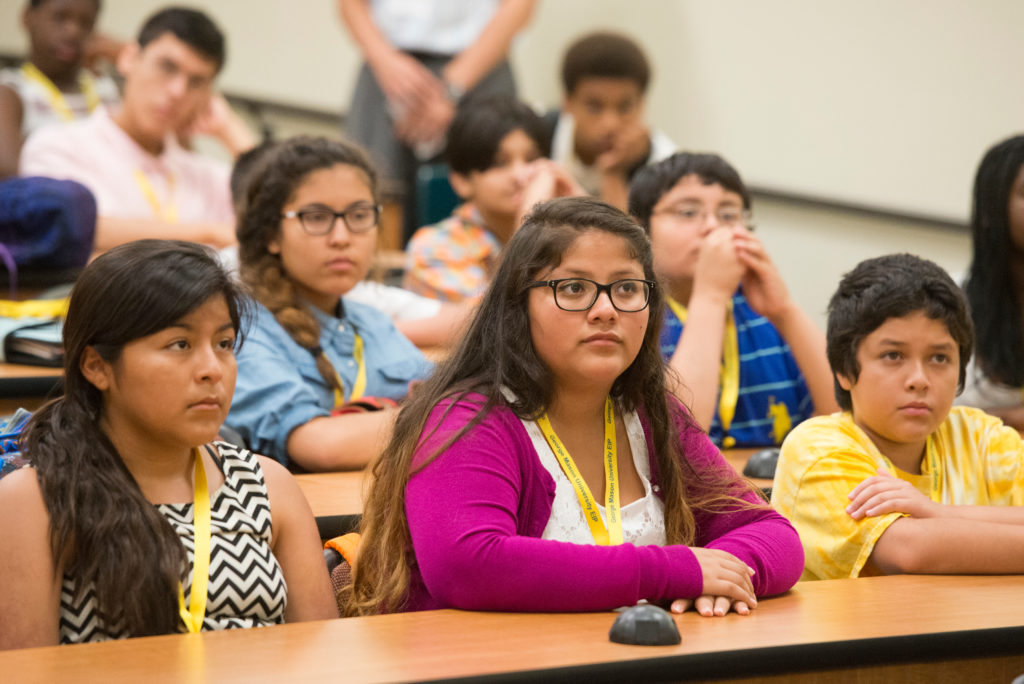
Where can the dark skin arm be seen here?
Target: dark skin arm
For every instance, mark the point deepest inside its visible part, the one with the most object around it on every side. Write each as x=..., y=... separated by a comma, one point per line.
x=10, y=132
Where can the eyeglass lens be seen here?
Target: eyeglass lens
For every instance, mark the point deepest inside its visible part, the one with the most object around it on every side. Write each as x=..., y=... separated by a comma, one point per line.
x=358, y=219
x=578, y=294
x=725, y=217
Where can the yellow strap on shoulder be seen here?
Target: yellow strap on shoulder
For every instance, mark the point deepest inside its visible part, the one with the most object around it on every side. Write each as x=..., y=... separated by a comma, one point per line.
x=196, y=611
x=729, y=378
x=610, y=535
x=730, y=388
x=359, y=386
x=164, y=211
x=56, y=98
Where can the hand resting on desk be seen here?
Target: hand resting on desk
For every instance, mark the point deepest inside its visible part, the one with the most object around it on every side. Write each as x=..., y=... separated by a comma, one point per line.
x=727, y=582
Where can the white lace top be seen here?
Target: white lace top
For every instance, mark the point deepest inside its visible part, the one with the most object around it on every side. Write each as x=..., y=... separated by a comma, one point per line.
x=643, y=520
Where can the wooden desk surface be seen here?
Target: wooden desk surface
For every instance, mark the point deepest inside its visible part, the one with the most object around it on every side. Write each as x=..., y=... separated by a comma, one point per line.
x=16, y=370
x=341, y=494
x=332, y=494
x=26, y=386
x=869, y=624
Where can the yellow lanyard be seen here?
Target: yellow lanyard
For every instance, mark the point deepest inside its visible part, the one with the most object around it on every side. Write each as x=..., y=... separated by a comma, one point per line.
x=360, y=384
x=168, y=212
x=934, y=471
x=57, y=101
x=729, y=384
x=613, y=534
x=193, y=617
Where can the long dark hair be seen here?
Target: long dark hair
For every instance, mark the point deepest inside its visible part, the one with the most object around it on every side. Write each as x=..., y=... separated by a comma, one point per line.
x=993, y=297
x=497, y=352
x=272, y=184
x=103, y=531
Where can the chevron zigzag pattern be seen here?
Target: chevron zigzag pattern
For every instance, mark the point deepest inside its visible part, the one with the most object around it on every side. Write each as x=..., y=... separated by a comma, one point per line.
x=246, y=586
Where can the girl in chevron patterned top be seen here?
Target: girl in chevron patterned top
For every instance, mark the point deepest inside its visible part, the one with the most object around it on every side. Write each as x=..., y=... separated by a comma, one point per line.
x=131, y=520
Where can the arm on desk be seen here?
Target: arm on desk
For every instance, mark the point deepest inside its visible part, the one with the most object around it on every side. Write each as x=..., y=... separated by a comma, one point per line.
x=441, y=330
x=296, y=424
x=883, y=493
x=807, y=343
x=345, y=442
x=30, y=596
x=949, y=546
x=750, y=530
x=112, y=231
x=296, y=545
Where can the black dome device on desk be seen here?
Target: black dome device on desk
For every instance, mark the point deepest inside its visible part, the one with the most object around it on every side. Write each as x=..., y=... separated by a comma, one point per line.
x=761, y=464
x=645, y=625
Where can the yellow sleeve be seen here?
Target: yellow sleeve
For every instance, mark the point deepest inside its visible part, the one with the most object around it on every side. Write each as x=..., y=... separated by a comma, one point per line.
x=819, y=465
x=1003, y=452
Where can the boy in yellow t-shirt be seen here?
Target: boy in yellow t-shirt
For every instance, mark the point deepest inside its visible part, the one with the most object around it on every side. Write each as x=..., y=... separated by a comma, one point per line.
x=901, y=482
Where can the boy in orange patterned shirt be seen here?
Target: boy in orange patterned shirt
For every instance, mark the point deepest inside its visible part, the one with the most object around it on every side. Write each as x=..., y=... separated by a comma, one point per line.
x=494, y=153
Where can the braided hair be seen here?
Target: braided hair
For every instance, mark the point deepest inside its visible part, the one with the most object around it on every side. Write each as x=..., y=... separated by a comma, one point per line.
x=271, y=186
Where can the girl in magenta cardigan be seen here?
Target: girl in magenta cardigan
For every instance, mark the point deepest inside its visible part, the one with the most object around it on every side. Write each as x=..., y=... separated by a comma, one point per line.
x=544, y=467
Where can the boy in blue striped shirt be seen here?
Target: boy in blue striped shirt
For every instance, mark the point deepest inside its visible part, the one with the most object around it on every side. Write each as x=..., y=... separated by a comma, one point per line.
x=745, y=358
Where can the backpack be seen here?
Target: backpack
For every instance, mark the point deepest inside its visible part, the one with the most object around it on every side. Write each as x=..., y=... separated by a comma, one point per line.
x=45, y=224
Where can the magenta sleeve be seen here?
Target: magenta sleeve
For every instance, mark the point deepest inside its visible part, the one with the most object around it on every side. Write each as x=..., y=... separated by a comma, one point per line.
x=465, y=510
x=760, y=536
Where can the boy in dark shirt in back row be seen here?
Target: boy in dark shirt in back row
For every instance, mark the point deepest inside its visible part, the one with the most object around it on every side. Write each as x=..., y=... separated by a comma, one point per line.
x=600, y=134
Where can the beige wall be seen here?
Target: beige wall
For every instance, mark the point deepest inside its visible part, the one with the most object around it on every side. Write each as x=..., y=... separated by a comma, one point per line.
x=883, y=103
x=813, y=247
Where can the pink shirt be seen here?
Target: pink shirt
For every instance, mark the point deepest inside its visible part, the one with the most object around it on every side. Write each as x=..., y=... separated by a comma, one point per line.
x=98, y=154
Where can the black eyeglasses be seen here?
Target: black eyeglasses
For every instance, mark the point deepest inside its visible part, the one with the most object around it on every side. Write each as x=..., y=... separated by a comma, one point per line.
x=579, y=294
x=359, y=218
